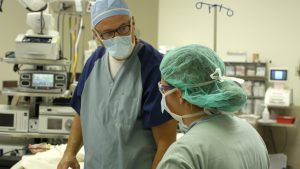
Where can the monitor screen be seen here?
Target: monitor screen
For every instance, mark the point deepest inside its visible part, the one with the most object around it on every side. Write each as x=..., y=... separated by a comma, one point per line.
x=42, y=80
x=278, y=74
x=7, y=120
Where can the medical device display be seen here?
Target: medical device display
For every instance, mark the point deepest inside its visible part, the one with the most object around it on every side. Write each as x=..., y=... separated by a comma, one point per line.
x=278, y=74
x=55, y=119
x=43, y=81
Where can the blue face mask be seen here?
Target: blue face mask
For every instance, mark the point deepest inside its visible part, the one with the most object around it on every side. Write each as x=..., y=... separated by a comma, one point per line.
x=119, y=47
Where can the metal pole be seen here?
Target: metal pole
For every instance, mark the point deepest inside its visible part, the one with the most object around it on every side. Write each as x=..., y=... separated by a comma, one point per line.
x=215, y=28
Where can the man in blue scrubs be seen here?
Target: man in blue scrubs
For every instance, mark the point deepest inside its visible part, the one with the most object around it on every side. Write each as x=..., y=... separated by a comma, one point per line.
x=119, y=119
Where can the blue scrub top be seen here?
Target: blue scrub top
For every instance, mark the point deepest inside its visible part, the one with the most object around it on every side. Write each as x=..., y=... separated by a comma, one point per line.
x=117, y=114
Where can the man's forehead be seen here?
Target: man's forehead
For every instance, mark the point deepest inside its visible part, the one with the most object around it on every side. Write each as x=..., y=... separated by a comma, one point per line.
x=112, y=22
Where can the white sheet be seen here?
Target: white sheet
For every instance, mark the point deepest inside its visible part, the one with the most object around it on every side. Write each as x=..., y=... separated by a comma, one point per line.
x=47, y=160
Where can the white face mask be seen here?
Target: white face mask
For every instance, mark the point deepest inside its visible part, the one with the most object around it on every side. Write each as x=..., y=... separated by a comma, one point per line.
x=175, y=116
x=183, y=128
x=119, y=47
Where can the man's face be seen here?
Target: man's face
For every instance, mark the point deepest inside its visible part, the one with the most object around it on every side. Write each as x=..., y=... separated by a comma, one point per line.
x=118, y=25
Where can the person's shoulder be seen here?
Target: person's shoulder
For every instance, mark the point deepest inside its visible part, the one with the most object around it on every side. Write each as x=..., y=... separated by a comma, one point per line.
x=97, y=54
x=90, y=63
x=181, y=154
x=181, y=149
x=148, y=52
x=187, y=143
x=243, y=123
x=201, y=135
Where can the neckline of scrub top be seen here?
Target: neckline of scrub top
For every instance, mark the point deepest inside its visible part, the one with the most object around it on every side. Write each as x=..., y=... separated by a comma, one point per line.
x=202, y=120
x=134, y=53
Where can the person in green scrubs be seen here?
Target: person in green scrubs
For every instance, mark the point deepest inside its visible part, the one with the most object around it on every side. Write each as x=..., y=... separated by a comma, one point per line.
x=203, y=101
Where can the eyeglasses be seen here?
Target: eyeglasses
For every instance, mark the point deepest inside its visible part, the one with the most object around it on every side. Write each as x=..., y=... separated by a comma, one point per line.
x=122, y=30
x=165, y=89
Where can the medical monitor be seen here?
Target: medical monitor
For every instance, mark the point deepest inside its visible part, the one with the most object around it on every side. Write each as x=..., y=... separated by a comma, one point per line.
x=278, y=75
x=42, y=80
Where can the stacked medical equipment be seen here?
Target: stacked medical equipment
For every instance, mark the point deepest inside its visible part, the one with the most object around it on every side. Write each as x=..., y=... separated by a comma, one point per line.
x=35, y=46
x=278, y=96
x=52, y=119
x=13, y=119
x=55, y=119
x=41, y=44
x=43, y=81
x=43, y=65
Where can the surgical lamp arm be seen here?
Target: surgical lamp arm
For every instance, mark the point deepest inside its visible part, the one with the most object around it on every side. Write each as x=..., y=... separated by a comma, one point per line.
x=1, y=2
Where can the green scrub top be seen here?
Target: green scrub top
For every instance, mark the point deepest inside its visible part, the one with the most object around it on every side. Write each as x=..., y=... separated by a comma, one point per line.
x=221, y=142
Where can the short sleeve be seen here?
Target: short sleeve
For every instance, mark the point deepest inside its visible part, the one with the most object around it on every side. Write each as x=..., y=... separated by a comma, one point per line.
x=180, y=156
x=151, y=99
x=76, y=97
x=174, y=162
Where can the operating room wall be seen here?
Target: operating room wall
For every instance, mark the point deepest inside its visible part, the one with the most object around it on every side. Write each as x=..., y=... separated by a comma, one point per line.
x=13, y=21
x=146, y=18
x=270, y=28
x=266, y=27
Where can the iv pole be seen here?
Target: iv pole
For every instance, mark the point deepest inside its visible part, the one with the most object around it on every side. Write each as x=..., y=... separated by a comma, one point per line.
x=215, y=28
x=215, y=23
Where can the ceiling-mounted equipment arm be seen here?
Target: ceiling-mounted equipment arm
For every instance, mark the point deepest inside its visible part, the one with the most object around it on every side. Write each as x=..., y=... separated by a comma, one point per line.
x=34, y=5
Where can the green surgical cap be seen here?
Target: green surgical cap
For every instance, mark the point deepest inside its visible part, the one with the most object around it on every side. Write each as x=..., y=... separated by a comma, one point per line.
x=198, y=72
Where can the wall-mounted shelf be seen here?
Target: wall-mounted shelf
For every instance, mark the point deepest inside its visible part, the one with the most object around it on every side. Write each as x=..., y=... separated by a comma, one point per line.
x=15, y=92
x=252, y=78
x=255, y=97
x=254, y=74
x=61, y=62
x=33, y=135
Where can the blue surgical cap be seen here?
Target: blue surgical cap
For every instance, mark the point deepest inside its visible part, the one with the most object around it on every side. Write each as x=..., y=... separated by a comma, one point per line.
x=105, y=8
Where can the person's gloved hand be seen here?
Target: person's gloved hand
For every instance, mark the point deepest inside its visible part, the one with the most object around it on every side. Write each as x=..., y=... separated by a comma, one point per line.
x=67, y=161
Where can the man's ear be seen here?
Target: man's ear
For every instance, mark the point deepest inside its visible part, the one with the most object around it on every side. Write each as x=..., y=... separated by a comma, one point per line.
x=133, y=22
x=133, y=25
